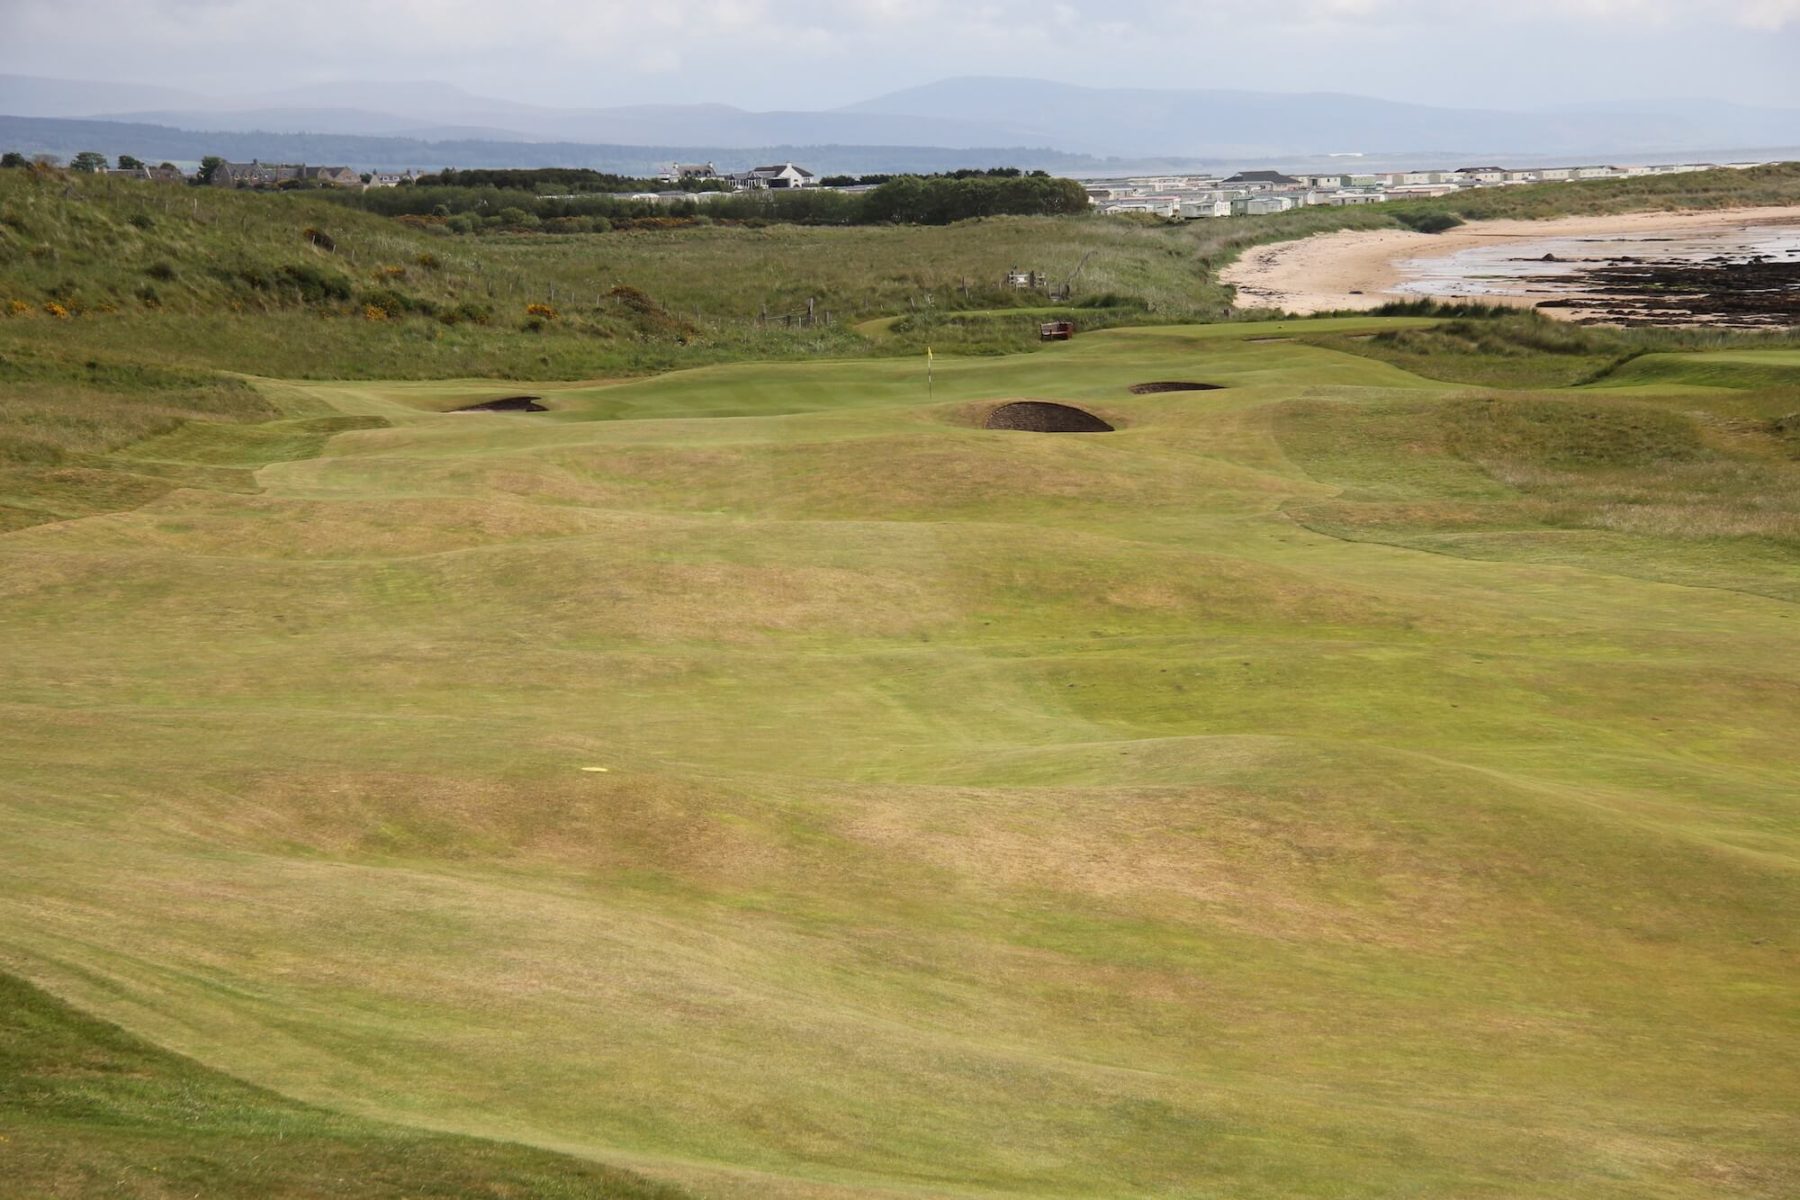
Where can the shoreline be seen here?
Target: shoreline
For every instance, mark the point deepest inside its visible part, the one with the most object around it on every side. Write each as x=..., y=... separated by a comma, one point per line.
x=1361, y=269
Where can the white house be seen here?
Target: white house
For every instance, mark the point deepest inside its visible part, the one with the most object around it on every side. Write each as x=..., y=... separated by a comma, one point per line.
x=1203, y=208
x=781, y=175
x=1257, y=206
x=1416, y=191
x=675, y=172
x=1158, y=206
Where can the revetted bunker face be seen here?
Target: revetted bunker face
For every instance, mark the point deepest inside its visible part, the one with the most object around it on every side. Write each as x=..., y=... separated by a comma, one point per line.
x=1172, y=385
x=1040, y=416
x=506, y=404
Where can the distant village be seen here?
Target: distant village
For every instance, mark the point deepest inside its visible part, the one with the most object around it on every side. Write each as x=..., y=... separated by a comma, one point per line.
x=264, y=175
x=1190, y=197
x=1254, y=193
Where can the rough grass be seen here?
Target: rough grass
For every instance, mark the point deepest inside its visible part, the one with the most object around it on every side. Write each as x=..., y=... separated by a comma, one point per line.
x=761, y=777
x=200, y=277
x=214, y=279
x=65, y=426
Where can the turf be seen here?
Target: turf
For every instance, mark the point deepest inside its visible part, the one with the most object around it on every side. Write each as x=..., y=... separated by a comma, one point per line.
x=91, y=1111
x=1341, y=784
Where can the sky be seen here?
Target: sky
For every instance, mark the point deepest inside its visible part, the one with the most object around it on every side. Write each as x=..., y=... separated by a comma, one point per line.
x=810, y=54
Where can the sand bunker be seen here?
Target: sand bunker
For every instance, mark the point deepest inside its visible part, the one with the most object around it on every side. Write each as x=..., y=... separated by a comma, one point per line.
x=1039, y=416
x=506, y=404
x=1172, y=385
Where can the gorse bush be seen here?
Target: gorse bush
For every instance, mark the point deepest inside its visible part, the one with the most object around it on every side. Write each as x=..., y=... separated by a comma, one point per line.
x=303, y=282
x=394, y=303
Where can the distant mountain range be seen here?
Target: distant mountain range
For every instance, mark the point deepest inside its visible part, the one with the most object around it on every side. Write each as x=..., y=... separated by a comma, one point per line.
x=65, y=137
x=967, y=113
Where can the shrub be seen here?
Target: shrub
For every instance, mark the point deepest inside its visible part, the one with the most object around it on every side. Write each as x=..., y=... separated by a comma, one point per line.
x=541, y=310
x=56, y=310
x=161, y=270
x=468, y=310
x=143, y=220
x=373, y=312
x=17, y=308
x=319, y=238
x=1428, y=222
x=395, y=304
x=636, y=300
x=315, y=285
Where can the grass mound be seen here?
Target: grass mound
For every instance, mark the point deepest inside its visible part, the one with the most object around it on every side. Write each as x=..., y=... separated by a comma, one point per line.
x=75, y=435
x=1503, y=349
x=1695, y=487
x=1568, y=434
x=1041, y=416
x=92, y=1111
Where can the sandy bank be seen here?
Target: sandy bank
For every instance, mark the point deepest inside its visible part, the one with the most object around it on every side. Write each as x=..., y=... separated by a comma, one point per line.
x=1359, y=269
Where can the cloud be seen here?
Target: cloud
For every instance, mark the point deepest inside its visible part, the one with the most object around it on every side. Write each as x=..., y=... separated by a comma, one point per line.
x=1768, y=14
x=815, y=53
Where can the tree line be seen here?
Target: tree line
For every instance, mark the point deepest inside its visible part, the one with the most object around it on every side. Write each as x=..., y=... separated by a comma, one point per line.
x=556, y=180
x=906, y=200
x=90, y=161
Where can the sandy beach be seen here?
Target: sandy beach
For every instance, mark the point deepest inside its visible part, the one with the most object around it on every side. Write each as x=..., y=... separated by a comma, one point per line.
x=1360, y=269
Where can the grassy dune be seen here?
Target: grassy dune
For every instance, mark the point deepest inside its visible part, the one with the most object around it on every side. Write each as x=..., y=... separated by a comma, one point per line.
x=1342, y=784
x=296, y=286
x=292, y=285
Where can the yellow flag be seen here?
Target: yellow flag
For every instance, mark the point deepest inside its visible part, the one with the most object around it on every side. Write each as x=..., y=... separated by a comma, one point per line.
x=928, y=356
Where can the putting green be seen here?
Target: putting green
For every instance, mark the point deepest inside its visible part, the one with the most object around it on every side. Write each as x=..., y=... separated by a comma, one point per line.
x=768, y=779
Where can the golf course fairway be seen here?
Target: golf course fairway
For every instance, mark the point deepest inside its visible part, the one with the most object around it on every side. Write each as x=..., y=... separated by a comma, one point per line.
x=764, y=778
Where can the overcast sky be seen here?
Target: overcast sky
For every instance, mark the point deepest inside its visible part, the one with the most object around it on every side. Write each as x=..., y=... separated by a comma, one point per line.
x=764, y=54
